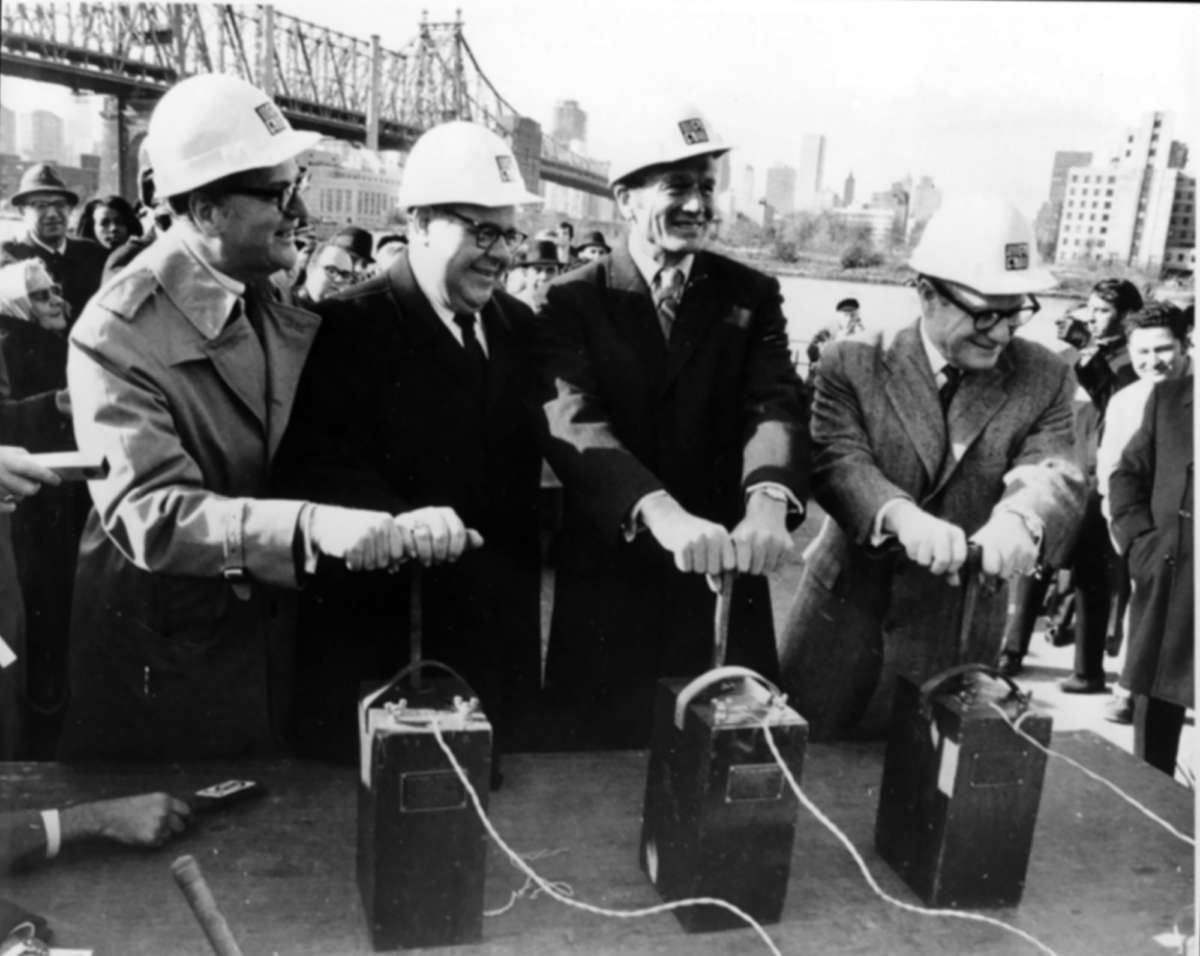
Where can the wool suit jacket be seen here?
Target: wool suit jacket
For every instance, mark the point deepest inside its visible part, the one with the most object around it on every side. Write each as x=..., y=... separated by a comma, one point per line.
x=864, y=613
x=386, y=419
x=717, y=410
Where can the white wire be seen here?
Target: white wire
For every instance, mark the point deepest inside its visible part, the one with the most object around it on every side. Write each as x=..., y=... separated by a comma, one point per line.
x=548, y=887
x=1016, y=726
x=845, y=840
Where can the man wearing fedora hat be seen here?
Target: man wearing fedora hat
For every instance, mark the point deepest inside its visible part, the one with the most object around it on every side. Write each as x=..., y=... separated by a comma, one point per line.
x=358, y=242
x=45, y=203
x=592, y=247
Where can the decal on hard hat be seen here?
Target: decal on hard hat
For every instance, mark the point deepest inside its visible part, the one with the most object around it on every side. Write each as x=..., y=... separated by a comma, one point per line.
x=1016, y=256
x=693, y=131
x=272, y=118
x=508, y=169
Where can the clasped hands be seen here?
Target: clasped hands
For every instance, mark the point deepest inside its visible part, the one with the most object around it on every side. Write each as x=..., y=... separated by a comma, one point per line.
x=376, y=540
x=758, y=545
x=1005, y=543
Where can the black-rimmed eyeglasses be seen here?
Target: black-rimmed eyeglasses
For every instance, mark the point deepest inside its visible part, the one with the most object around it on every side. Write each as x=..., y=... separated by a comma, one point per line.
x=973, y=304
x=487, y=234
x=283, y=195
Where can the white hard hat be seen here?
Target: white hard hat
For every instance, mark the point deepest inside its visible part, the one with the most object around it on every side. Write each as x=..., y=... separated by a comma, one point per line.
x=213, y=125
x=665, y=135
x=462, y=162
x=984, y=243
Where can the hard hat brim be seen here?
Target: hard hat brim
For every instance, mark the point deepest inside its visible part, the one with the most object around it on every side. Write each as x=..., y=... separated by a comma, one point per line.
x=284, y=146
x=516, y=196
x=616, y=172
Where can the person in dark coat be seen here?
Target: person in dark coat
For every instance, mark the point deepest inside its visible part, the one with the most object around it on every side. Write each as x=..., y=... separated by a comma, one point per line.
x=418, y=395
x=45, y=204
x=1152, y=501
x=45, y=532
x=676, y=424
x=1101, y=581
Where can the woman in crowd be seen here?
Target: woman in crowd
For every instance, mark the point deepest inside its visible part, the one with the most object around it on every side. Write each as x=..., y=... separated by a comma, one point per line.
x=110, y=221
x=45, y=530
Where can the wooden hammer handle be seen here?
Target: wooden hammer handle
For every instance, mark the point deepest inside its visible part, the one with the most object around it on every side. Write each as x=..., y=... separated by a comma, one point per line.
x=195, y=890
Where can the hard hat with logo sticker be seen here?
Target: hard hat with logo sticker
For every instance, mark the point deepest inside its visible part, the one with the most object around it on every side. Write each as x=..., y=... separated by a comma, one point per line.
x=666, y=135
x=212, y=125
x=463, y=162
x=984, y=243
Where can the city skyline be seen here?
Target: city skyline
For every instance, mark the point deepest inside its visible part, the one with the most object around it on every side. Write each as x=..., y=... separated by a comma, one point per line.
x=976, y=96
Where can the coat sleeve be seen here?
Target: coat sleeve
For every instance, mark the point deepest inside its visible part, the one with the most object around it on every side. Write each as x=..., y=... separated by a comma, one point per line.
x=1132, y=481
x=850, y=482
x=604, y=476
x=775, y=409
x=1044, y=478
x=22, y=839
x=154, y=505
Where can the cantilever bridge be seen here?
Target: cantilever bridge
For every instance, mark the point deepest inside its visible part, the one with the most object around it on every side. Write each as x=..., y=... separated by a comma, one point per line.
x=330, y=82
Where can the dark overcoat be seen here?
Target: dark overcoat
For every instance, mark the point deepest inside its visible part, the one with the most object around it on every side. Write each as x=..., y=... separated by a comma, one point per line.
x=717, y=410
x=865, y=612
x=1153, y=500
x=386, y=419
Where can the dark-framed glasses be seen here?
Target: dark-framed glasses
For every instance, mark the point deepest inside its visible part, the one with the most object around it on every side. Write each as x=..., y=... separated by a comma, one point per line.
x=48, y=205
x=46, y=294
x=976, y=306
x=487, y=234
x=337, y=274
x=283, y=194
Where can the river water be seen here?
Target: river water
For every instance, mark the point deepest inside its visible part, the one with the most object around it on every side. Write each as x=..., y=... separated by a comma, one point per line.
x=809, y=305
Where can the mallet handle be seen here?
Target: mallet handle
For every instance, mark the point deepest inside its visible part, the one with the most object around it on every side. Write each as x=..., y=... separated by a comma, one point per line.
x=195, y=890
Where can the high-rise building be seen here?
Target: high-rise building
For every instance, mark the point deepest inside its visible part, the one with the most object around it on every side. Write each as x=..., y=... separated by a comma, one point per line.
x=781, y=189
x=746, y=199
x=8, y=130
x=1064, y=160
x=812, y=169
x=570, y=122
x=848, y=190
x=924, y=201
x=1137, y=209
x=41, y=136
x=724, y=173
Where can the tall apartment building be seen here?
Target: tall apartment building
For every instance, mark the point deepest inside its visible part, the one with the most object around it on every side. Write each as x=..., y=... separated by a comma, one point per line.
x=570, y=122
x=1064, y=161
x=848, y=191
x=1137, y=209
x=8, y=130
x=810, y=177
x=41, y=136
x=746, y=199
x=781, y=189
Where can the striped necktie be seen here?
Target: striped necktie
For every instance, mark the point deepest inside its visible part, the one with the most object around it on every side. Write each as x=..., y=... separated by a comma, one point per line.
x=668, y=289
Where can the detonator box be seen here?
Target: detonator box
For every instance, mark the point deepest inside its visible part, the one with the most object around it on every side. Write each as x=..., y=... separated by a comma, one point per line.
x=719, y=817
x=421, y=845
x=961, y=787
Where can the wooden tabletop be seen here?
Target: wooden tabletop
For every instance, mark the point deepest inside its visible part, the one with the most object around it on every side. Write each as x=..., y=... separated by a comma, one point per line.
x=1102, y=878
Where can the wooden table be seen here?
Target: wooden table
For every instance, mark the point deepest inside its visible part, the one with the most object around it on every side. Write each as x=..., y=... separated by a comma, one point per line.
x=1102, y=878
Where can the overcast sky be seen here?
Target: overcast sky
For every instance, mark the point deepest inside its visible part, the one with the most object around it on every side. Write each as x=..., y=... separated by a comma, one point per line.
x=977, y=95
x=974, y=94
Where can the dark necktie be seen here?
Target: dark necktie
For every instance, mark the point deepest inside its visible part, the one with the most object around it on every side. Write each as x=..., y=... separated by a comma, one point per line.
x=668, y=289
x=476, y=360
x=948, y=387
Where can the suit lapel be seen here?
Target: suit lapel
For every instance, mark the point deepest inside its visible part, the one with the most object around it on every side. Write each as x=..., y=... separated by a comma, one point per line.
x=913, y=394
x=427, y=333
x=633, y=315
x=500, y=350
x=240, y=363
x=288, y=334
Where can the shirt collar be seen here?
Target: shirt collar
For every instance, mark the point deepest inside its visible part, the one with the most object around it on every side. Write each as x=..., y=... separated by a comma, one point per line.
x=443, y=312
x=210, y=303
x=649, y=268
x=933, y=355
x=56, y=250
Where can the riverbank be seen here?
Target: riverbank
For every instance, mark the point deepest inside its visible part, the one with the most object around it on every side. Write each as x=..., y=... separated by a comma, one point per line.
x=1073, y=281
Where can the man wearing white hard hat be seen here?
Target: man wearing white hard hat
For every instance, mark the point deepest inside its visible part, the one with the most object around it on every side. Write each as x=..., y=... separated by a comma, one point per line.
x=182, y=372
x=677, y=427
x=419, y=395
x=949, y=431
